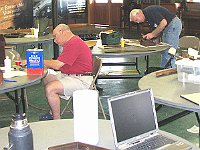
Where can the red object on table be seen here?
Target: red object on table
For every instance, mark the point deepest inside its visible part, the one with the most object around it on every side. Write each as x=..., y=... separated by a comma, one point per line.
x=18, y=62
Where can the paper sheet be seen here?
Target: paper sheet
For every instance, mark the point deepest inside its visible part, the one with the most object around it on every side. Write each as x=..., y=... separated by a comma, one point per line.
x=194, y=97
x=193, y=129
x=14, y=74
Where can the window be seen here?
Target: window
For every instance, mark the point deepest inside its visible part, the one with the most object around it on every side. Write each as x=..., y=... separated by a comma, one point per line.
x=106, y=1
x=116, y=1
x=101, y=1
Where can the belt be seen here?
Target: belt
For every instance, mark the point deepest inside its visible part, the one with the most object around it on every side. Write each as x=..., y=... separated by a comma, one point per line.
x=84, y=74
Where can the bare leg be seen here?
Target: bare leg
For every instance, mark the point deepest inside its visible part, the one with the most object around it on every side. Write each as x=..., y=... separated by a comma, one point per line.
x=52, y=90
x=49, y=78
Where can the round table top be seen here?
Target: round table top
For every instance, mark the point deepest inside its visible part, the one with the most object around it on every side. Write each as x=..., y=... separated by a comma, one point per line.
x=56, y=132
x=167, y=90
x=26, y=40
x=128, y=50
x=21, y=81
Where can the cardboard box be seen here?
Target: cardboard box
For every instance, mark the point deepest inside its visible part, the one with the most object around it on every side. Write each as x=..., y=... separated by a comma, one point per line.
x=35, y=61
x=188, y=70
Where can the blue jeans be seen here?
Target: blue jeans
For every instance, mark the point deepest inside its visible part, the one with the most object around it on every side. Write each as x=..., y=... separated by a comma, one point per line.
x=171, y=36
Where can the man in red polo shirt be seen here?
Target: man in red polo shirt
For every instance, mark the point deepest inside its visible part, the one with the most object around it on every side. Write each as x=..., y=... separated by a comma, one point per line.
x=75, y=66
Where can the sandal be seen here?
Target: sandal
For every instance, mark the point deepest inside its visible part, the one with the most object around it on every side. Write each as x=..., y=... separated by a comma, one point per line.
x=46, y=116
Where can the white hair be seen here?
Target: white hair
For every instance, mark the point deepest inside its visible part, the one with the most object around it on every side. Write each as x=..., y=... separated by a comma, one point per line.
x=134, y=12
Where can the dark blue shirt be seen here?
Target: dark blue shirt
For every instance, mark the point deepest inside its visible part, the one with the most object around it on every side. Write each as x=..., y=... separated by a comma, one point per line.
x=154, y=14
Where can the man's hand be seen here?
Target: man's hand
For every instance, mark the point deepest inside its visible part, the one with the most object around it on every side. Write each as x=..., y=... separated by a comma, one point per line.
x=23, y=63
x=156, y=31
x=148, y=36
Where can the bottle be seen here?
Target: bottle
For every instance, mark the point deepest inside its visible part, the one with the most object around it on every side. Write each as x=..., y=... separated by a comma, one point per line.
x=20, y=135
x=7, y=63
x=122, y=42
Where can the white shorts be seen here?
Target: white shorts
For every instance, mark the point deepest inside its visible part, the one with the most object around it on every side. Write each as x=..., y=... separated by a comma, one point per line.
x=72, y=83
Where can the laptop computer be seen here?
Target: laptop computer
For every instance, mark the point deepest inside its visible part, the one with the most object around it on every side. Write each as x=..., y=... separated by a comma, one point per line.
x=134, y=123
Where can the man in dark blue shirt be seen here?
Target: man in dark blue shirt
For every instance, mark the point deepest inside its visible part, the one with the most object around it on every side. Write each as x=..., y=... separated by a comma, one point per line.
x=164, y=23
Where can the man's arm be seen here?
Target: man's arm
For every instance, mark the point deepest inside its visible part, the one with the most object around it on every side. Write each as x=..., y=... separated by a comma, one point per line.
x=157, y=30
x=54, y=64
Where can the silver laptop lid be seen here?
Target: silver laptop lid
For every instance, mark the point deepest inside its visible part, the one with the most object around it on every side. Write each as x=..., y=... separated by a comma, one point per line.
x=133, y=116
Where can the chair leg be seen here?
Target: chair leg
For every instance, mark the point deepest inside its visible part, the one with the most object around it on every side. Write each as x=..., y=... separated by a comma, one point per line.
x=67, y=106
x=100, y=104
x=26, y=99
x=102, y=110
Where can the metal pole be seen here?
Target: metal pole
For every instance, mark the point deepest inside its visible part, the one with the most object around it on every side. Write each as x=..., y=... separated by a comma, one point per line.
x=55, y=23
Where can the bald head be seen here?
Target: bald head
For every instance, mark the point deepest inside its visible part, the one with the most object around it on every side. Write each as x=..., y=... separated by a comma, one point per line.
x=62, y=27
x=62, y=34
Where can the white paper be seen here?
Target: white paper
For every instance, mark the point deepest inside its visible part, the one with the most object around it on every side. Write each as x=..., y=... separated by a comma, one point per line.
x=192, y=52
x=3, y=68
x=172, y=51
x=193, y=129
x=85, y=108
x=29, y=36
x=11, y=74
x=51, y=71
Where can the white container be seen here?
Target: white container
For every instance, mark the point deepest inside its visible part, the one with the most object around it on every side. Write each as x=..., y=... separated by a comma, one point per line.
x=7, y=63
x=85, y=108
x=188, y=70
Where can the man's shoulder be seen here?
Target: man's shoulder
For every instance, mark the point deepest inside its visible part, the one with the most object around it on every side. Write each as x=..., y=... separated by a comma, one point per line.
x=77, y=39
x=152, y=7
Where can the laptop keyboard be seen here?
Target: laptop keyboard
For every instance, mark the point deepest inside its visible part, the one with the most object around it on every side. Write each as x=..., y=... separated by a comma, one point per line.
x=152, y=143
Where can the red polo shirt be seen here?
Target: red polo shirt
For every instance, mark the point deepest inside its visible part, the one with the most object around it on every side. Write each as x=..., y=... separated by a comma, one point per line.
x=76, y=56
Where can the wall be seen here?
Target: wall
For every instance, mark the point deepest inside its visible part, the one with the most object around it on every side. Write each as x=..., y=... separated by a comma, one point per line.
x=104, y=13
x=12, y=12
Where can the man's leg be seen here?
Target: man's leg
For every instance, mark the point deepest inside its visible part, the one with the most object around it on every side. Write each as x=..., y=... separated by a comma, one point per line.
x=171, y=36
x=53, y=90
x=49, y=78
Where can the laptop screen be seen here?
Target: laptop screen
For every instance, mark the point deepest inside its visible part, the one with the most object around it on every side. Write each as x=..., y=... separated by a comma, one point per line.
x=132, y=114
